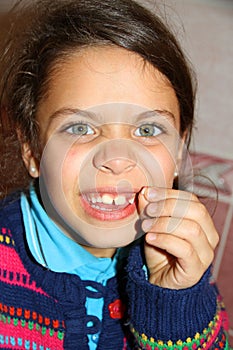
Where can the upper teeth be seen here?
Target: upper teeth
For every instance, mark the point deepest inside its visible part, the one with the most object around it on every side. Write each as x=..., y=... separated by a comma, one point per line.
x=111, y=199
x=131, y=200
x=107, y=199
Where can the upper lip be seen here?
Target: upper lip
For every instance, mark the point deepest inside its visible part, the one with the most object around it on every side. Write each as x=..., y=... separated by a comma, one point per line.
x=114, y=191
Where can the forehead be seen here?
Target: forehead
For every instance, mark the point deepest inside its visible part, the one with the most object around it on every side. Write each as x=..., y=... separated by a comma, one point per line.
x=103, y=75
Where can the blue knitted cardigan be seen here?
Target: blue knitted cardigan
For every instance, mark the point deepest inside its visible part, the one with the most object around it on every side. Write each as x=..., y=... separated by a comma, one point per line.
x=136, y=314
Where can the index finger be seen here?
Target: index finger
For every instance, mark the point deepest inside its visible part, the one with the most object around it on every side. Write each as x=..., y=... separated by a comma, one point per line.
x=153, y=194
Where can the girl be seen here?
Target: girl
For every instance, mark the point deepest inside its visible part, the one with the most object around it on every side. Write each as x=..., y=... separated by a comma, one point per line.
x=98, y=248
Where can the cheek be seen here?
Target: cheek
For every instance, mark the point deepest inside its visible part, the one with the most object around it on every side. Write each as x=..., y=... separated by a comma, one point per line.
x=71, y=169
x=77, y=169
x=166, y=164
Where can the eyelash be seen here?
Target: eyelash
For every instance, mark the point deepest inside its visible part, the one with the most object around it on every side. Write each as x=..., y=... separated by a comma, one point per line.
x=77, y=124
x=161, y=129
x=81, y=123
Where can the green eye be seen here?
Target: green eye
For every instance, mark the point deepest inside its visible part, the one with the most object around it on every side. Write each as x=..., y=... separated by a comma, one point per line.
x=80, y=129
x=148, y=130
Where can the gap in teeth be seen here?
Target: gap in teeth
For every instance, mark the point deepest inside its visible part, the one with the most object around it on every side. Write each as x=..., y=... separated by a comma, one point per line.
x=109, y=199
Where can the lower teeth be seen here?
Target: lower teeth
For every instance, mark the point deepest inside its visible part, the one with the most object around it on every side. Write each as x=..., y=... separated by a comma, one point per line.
x=98, y=208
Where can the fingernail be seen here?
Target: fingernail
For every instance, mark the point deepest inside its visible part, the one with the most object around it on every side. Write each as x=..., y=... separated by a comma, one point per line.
x=147, y=225
x=150, y=237
x=151, y=193
x=153, y=209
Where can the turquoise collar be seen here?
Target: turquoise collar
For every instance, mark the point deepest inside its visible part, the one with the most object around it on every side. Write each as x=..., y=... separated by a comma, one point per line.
x=52, y=248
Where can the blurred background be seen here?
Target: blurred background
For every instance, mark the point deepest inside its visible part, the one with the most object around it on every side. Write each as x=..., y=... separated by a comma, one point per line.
x=205, y=29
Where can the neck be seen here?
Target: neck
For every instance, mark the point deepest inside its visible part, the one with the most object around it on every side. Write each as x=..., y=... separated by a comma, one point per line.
x=101, y=252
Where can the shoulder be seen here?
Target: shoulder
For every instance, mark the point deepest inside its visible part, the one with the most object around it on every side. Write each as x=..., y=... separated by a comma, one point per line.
x=10, y=199
x=10, y=212
x=9, y=203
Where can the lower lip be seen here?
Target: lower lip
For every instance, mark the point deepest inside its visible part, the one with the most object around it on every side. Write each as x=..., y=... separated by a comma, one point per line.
x=108, y=215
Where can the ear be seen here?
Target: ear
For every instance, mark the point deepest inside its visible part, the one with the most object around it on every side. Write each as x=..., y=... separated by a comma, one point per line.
x=30, y=161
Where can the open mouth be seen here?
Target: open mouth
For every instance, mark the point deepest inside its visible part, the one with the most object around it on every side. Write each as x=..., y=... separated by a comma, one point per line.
x=109, y=205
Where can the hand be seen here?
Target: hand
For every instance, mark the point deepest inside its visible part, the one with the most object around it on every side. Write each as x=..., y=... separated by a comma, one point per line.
x=180, y=237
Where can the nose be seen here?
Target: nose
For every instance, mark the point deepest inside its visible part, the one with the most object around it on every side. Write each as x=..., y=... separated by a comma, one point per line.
x=115, y=157
x=117, y=166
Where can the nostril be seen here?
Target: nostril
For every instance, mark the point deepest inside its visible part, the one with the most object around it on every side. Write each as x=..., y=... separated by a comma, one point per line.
x=104, y=169
x=117, y=166
x=129, y=168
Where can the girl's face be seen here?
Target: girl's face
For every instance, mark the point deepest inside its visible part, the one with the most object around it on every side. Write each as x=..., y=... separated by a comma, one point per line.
x=109, y=126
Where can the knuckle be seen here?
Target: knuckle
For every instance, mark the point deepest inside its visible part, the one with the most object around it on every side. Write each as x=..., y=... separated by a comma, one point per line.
x=209, y=259
x=202, y=211
x=189, y=251
x=195, y=230
x=216, y=240
x=194, y=197
x=212, y=255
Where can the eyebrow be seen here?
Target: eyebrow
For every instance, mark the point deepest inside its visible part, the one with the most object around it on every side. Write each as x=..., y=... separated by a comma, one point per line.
x=77, y=111
x=162, y=112
x=71, y=111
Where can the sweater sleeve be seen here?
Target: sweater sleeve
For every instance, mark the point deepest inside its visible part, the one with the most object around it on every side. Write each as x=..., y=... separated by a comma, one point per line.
x=161, y=318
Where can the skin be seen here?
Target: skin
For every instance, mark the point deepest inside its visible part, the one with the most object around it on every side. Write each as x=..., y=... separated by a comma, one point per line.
x=180, y=236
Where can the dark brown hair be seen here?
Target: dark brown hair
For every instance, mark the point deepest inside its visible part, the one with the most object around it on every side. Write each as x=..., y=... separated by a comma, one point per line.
x=35, y=34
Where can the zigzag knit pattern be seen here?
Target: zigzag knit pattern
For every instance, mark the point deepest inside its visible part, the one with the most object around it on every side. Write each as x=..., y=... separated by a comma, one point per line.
x=44, y=310
x=212, y=337
x=39, y=331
